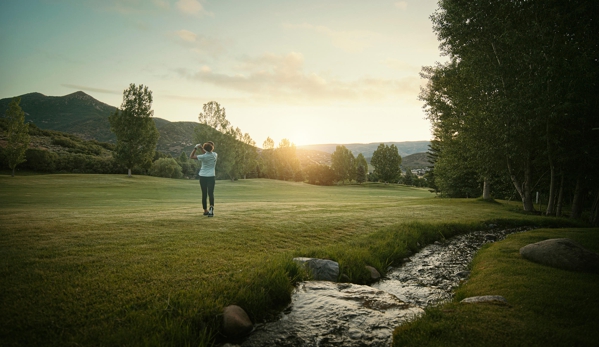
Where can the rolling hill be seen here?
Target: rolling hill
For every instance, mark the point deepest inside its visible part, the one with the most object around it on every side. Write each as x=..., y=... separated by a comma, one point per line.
x=404, y=148
x=82, y=115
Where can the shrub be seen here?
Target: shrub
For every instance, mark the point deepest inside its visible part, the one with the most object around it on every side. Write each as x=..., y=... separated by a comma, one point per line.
x=166, y=167
x=40, y=160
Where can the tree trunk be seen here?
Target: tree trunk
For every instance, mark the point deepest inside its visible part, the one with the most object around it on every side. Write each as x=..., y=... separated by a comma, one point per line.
x=486, y=189
x=577, y=201
x=527, y=186
x=128, y=172
x=525, y=190
x=13, y=171
x=560, y=198
x=551, y=203
x=594, y=218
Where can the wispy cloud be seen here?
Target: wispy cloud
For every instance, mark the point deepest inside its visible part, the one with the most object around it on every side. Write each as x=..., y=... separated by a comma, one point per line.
x=127, y=7
x=192, y=8
x=200, y=44
x=282, y=79
x=92, y=89
x=402, y=5
x=350, y=41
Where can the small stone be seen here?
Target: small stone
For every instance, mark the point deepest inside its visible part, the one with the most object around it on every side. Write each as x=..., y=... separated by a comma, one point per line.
x=485, y=298
x=374, y=274
x=463, y=274
x=236, y=322
x=490, y=237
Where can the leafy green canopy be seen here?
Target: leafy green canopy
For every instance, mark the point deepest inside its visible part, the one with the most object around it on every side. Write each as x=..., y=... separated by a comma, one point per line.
x=134, y=128
x=386, y=161
x=17, y=133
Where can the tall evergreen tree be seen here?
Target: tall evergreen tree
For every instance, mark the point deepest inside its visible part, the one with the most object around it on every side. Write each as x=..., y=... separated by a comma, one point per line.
x=135, y=130
x=17, y=135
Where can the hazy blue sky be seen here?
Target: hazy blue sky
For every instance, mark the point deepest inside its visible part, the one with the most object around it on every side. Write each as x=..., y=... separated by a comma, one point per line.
x=311, y=71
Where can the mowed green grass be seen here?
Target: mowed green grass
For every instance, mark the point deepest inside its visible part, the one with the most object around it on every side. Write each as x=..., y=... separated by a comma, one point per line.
x=547, y=306
x=111, y=260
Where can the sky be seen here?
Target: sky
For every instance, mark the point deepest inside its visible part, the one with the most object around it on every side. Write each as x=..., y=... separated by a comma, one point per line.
x=313, y=72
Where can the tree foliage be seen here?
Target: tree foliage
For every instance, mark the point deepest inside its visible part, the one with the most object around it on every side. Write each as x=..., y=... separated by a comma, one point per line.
x=517, y=97
x=237, y=156
x=386, y=161
x=17, y=135
x=343, y=163
x=134, y=128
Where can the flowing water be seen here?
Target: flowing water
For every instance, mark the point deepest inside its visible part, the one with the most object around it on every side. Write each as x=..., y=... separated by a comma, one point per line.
x=343, y=314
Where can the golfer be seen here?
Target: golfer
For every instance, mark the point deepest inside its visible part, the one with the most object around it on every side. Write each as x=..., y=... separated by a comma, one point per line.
x=207, y=174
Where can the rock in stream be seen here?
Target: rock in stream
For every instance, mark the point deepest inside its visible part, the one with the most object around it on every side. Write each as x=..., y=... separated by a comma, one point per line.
x=325, y=313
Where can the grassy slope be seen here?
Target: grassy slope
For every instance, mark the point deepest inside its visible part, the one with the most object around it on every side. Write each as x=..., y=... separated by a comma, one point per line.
x=548, y=307
x=105, y=259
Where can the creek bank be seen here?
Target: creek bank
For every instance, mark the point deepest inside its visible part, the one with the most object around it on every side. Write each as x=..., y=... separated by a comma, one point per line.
x=324, y=313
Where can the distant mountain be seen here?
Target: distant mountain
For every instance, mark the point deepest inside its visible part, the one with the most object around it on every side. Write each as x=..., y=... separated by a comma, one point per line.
x=86, y=117
x=404, y=148
x=415, y=161
x=76, y=113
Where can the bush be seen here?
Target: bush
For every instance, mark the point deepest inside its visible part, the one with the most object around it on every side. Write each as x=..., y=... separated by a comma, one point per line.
x=40, y=160
x=166, y=167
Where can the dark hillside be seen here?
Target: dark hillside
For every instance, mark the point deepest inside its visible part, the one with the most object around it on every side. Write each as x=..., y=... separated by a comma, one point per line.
x=76, y=113
x=415, y=161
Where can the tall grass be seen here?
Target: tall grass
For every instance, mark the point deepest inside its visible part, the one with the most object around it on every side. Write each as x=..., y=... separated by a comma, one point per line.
x=110, y=260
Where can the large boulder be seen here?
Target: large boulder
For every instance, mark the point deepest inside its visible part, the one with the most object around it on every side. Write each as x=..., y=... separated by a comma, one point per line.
x=563, y=254
x=321, y=269
x=236, y=322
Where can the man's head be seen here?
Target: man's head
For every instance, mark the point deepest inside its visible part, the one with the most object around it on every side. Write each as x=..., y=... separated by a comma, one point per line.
x=208, y=146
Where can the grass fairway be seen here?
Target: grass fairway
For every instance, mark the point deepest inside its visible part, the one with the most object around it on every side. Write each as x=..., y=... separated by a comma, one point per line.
x=111, y=260
x=548, y=306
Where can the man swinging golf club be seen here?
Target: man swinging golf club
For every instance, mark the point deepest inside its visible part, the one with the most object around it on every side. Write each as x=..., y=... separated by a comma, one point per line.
x=207, y=174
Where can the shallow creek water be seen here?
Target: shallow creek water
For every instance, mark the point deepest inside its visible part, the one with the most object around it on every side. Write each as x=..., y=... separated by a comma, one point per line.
x=344, y=314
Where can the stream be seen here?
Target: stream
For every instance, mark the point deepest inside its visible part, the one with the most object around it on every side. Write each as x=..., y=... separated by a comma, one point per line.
x=323, y=314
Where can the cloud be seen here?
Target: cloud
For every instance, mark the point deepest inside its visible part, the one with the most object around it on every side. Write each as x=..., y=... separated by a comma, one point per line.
x=350, y=41
x=282, y=79
x=201, y=44
x=192, y=8
x=186, y=35
x=92, y=89
x=163, y=4
x=402, y=5
x=127, y=7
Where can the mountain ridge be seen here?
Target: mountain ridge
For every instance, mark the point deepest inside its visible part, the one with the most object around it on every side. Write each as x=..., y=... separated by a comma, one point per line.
x=81, y=114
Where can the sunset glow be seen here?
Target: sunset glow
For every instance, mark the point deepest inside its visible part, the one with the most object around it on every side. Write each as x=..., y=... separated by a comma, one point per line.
x=311, y=71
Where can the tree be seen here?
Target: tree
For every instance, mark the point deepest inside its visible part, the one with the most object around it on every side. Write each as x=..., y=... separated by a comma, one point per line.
x=343, y=163
x=17, y=135
x=386, y=161
x=360, y=174
x=236, y=151
x=267, y=158
x=135, y=130
x=286, y=161
x=361, y=161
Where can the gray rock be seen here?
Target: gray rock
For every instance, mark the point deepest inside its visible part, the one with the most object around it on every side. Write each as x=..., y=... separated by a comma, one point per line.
x=374, y=274
x=463, y=274
x=321, y=269
x=563, y=254
x=236, y=322
x=490, y=237
x=485, y=298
